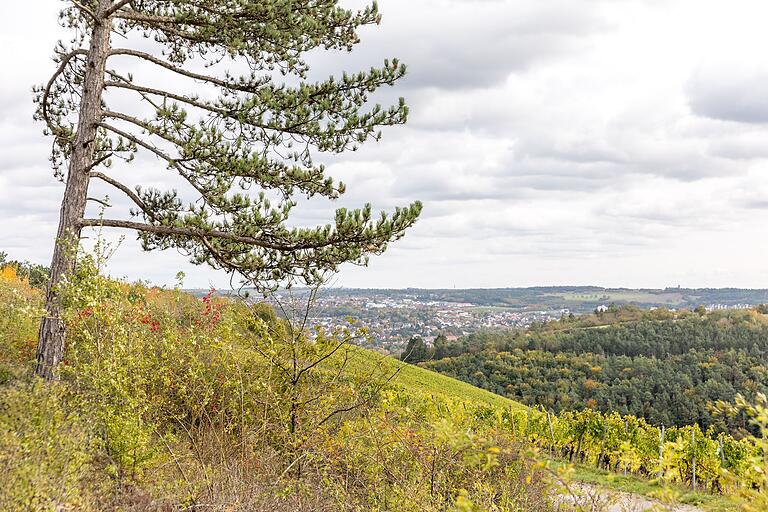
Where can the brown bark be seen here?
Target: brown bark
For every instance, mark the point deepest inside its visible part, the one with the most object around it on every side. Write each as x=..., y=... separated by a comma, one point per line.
x=50, y=348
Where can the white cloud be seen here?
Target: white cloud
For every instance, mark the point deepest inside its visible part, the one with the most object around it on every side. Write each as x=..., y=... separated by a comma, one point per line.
x=565, y=142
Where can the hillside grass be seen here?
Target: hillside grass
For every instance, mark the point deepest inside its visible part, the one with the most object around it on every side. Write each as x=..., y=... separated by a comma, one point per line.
x=426, y=382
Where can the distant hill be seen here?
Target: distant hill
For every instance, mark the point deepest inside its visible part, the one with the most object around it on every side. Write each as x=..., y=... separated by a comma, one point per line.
x=578, y=299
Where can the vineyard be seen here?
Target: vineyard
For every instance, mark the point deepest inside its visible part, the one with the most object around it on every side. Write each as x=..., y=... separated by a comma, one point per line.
x=706, y=461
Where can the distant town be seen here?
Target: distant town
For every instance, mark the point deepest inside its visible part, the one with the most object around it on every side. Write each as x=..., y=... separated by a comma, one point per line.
x=393, y=316
x=393, y=320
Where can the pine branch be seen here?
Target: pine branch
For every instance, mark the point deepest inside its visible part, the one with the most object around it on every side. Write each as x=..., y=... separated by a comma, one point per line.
x=172, y=162
x=47, y=91
x=127, y=191
x=149, y=147
x=198, y=233
x=143, y=125
x=221, y=259
x=103, y=158
x=156, y=20
x=169, y=95
x=85, y=9
x=116, y=7
x=367, y=238
x=227, y=84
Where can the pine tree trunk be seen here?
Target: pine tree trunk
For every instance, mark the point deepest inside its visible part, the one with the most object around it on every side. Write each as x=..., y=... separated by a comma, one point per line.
x=50, y=348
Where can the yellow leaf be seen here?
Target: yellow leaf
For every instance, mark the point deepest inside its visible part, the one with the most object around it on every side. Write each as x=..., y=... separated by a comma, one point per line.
x=8, y=273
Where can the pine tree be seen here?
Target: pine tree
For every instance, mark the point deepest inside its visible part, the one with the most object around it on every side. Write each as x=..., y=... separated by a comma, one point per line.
x=248, y=154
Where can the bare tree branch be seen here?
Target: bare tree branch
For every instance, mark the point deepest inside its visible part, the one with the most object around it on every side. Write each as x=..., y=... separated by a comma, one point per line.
x=323, y=358
x=100, y=201
x=363, y=402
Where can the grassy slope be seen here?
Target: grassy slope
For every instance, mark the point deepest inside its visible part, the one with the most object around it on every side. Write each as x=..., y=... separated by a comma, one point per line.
x=426, y=382
x=429, y=382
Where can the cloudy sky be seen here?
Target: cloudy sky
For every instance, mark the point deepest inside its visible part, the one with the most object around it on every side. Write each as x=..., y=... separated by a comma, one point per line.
x=615, y=143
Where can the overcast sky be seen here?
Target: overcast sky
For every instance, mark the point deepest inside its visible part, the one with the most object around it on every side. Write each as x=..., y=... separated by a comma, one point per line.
x=615, y=143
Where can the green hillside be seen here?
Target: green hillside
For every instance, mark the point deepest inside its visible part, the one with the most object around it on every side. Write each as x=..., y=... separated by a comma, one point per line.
x=427, y=382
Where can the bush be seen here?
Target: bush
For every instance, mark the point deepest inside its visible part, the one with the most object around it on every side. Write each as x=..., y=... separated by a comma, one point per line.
x=20, y=313
x=167, y=400
x=46, y=450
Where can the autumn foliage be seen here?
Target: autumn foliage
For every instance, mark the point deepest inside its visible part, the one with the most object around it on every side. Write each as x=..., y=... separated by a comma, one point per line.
x=169, y=401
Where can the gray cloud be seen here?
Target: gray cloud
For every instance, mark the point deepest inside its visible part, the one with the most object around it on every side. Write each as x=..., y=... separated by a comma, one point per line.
x=466, y=44
x=729, y=94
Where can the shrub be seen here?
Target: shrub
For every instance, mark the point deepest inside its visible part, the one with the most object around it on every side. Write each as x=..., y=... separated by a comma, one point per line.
x=168, y=400
x=46, y=449
x=20, y=313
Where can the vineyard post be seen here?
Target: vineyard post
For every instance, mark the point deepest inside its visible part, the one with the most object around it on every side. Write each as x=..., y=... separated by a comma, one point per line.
x=661, y=451
x=722, y=452
x=512, y=420
x=578, y=446
x=528, y=423
x=551, y=433
x=602, y=445
x=626, y=431
x=693, y=450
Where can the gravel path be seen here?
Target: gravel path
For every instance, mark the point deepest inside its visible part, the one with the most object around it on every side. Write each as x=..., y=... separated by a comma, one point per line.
x=594, y=499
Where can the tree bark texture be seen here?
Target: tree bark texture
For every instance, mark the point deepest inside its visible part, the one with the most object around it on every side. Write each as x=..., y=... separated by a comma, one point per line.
x=50, y=348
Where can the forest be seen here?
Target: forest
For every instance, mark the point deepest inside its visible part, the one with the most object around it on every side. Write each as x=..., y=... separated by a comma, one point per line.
x=666, y=367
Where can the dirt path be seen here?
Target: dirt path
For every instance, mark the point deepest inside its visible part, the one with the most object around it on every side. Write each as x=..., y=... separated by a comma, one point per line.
x=594, y=499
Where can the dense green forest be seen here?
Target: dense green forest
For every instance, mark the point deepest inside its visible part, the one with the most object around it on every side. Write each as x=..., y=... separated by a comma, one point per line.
x=668, y=368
